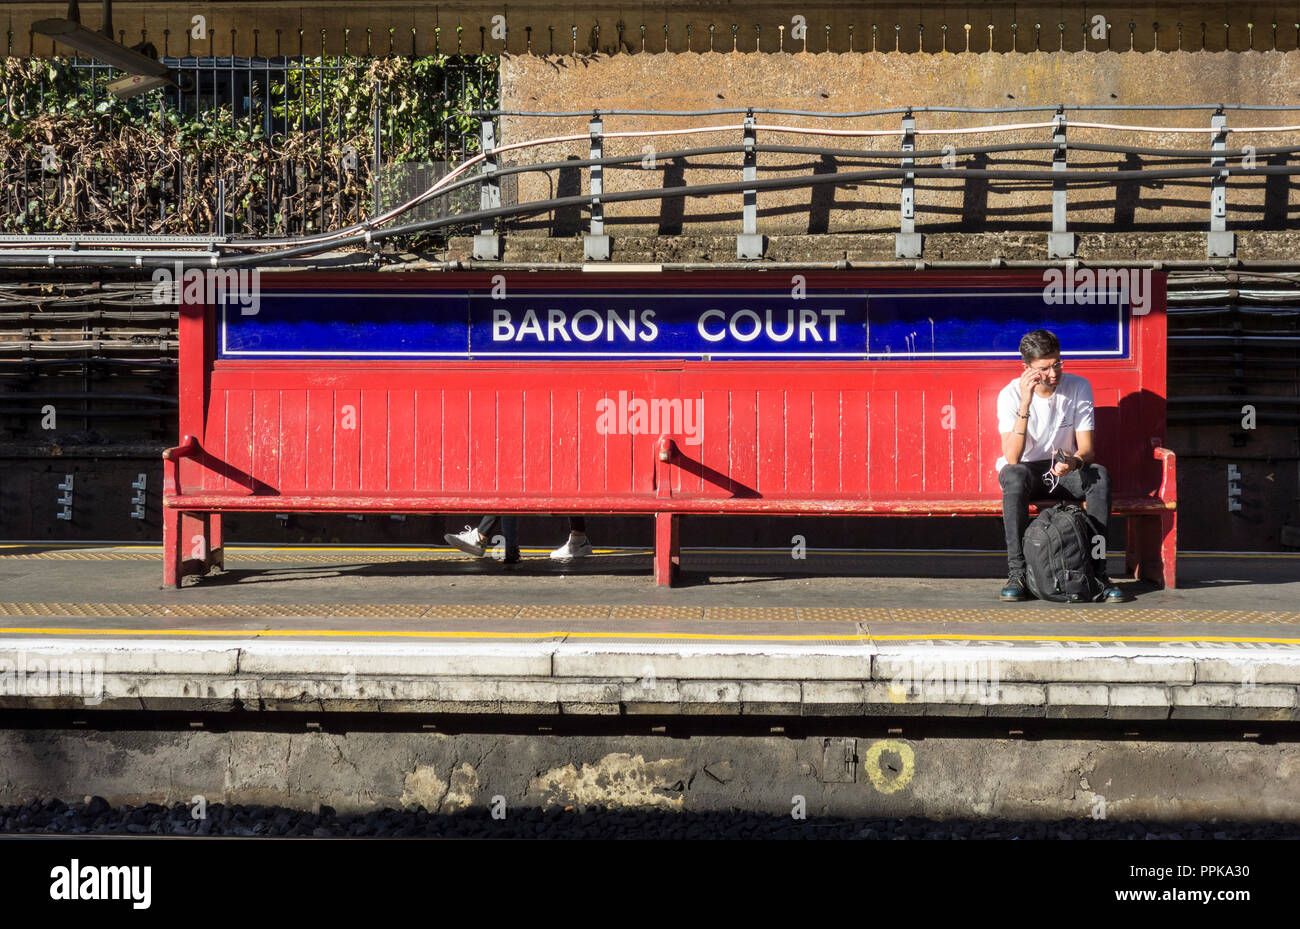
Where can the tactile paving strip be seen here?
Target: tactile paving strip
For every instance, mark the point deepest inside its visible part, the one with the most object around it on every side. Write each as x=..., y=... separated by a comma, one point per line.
x=679, y=613
x=843, y=614
x=1232, y=617
x=461, y=611
x=560, y=611
x=787, y=614
x=1091, y=614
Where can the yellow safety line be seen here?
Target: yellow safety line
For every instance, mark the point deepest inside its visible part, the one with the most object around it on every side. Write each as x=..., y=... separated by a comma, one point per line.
x=430, y=634
x=556, y=633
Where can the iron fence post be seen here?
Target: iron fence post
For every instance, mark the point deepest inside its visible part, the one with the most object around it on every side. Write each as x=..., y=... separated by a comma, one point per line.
x=749, y=244
x=1060, y=244
x=595, y=245
x=1220, y=243
x=908, y=243
x=487, y=244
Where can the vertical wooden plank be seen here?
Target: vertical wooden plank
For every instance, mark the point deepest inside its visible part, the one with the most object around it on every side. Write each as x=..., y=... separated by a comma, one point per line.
x=1124, y=458
x=455, y=443
x=853, y=430
x=881, y=452
x=909, y=441
x=937, y=427
x=347, y=439
x=536, y=451
x=742, y=454
x=239, y=436
x=696, y=423
x=798, y=438
x=373, y=429
x=429, y=451
x=214, y=440
x=401, y=440
x=320, y=440
x=969, y=459
x=989, y=441
x=714, y=451
x=510, y=441
x=772, y=458
x=194, y=329
x=266, y=437
x=617, y=445
x=591, y=445
x=561, y=446
x=483, y=435
x=827, y=439
x=293, y=440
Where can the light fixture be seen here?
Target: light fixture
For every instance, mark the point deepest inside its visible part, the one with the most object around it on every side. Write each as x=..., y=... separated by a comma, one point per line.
x=144, y=70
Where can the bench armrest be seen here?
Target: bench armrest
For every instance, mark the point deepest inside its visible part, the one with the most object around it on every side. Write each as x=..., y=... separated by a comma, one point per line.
x=1168, y=474
x=188, y=448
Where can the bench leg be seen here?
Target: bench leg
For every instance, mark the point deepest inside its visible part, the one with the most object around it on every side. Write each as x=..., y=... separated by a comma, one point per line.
x=216, y=553
x=1151, y=549
x=171, y=545
x=667, y=556
x=1169, y=549
x=193, y=544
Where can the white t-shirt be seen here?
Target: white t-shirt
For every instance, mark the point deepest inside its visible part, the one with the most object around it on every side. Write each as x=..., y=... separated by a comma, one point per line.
x=1052, y=420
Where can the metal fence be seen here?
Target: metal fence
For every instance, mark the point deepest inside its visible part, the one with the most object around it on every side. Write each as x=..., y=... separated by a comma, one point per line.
x=241, y=147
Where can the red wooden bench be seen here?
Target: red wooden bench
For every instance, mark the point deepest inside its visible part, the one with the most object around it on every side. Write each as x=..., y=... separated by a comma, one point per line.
x=783, y=437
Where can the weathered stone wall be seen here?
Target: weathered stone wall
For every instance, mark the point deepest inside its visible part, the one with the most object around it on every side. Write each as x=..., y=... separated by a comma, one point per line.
x=865, y=81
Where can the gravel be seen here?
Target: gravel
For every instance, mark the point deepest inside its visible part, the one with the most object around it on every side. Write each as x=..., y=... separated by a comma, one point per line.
x=95, y=816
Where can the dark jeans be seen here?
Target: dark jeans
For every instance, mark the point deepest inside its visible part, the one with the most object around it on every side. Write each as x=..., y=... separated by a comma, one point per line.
x=1023, y=483
x=510, y=529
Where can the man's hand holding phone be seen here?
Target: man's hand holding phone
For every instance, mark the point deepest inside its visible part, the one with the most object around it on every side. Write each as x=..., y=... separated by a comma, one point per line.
x=1062, y=464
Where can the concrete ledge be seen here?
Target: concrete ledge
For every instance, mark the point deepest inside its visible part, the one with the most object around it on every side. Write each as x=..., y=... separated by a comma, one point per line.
x=552, y=677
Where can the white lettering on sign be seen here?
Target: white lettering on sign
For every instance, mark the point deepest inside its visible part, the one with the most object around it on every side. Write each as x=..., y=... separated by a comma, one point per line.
x=584, y=326
x=747, y=325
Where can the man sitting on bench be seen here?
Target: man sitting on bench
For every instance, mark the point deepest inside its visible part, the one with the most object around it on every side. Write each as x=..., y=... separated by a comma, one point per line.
x=1039, y=412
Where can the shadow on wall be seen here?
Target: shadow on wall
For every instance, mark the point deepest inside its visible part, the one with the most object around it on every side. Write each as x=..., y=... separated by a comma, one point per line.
x=972, y=204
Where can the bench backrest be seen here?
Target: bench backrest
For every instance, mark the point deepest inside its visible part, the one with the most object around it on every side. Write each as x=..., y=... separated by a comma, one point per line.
x=449, y=417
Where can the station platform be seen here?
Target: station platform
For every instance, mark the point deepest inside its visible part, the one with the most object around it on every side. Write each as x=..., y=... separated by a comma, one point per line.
x=748, y=633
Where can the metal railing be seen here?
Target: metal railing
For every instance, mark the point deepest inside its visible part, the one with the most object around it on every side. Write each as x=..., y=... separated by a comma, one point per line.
x=1213, y=163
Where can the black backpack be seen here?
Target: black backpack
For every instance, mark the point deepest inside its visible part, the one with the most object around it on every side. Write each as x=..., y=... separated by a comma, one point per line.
x=1058, y=556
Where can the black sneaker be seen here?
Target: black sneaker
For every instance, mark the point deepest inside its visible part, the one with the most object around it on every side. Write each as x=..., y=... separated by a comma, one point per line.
x=1015, y=590
x=511, y=556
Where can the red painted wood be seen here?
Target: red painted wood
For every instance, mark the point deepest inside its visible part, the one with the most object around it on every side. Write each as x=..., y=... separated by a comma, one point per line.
x=461, y=435
x=320, y=440
x=801, y=462
x=831, y=436
x=373, y=439
x=401, y=440
x=601, y=502
x=293, y=439
x=667, y=554
x=265, y=439
x=429, y=452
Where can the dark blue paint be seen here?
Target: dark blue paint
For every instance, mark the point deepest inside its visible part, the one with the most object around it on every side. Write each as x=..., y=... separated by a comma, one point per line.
x=889, y=323
x=952, y=325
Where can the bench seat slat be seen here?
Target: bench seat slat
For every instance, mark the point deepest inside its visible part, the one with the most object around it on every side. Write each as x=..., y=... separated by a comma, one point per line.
x=905, y=505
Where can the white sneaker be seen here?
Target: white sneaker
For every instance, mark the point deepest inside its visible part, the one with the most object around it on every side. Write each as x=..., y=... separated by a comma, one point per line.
x=467, y=541
x=572, y=549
